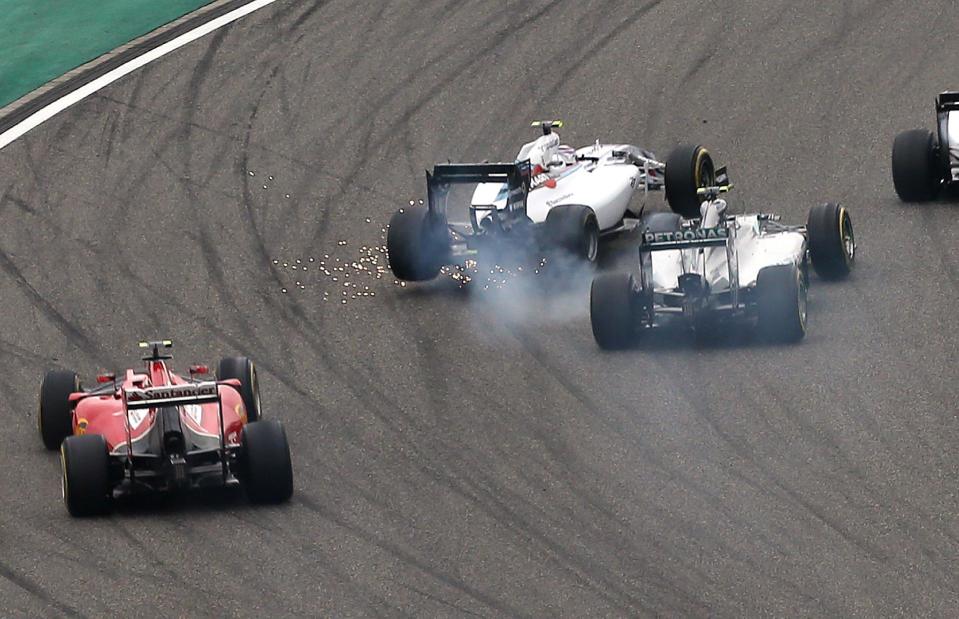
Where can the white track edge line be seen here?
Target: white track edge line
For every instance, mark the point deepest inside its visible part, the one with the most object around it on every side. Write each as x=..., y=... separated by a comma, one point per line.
x=52, y=109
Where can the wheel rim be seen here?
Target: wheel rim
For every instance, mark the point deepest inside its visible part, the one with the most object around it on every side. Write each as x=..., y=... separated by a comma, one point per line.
x=847, y=236
x=705, y=173
x=802, y=300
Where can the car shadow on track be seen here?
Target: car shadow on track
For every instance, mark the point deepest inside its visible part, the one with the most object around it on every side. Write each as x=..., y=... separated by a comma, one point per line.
x=198, y=501
x=676, y=339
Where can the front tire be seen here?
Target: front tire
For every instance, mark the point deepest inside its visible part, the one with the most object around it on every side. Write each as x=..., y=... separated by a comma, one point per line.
x=915, y=167
x=832, y=242
x=417, y=243
x=573, y=230
x=243, y=370
x=781, y=298
x=86, y=475
x=55, y=415
x=612, y=310
x=267, y=474
x=688, y=168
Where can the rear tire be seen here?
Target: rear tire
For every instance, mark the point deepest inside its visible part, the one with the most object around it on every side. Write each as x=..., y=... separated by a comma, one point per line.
x=573, y=230
x=55, y=415
x=86, y=475
x=612, y=310
x=832, y=243
x=267, y=474
x=781, y=297
x=418, y=244
x=915, y=167
x=242, y=369
x=687, y=169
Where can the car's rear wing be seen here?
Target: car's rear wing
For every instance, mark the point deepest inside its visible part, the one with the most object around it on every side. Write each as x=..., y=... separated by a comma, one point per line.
x=684, y=239
x=516, y=176
x=206, y=392
x=171, y=395
x=947, y=101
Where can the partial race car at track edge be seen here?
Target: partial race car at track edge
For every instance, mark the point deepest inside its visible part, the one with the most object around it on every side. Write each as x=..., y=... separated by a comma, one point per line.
x=703, y=273
x=152, y=430
x=553, y=198
x=923, y=162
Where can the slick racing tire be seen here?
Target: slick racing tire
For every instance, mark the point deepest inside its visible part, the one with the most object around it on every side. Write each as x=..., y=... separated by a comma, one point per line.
x=86, y=475
x=267, y=470
x=915, y=167
x=612, y=310
x=242, y=369
x=832, y=242
x=573, y=230
x=687, y=169
x=417, y=243
x=54, y=415
x=781, y=299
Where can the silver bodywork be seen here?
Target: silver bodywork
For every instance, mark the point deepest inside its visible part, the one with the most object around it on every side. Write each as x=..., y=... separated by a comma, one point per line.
x=755, y=241
x=949, y=128
x=727, y=270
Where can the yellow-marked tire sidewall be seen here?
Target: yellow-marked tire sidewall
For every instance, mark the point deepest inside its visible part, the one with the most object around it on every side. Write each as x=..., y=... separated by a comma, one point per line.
x=701, y=153
x=842, y=236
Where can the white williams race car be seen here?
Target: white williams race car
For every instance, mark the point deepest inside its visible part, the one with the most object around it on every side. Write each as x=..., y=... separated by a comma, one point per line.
x=553, y=197
x=922, y=162
x=697, y=273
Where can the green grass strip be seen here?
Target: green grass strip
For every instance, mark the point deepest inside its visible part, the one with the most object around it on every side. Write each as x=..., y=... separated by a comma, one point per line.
x=43, y=39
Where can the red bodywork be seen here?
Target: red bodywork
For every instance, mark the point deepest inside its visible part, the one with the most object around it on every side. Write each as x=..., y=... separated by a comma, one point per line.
x=103, y=413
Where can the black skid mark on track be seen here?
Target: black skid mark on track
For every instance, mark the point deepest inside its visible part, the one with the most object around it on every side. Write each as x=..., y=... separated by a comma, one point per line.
x=303, y=17
x=438, y=600
x=174, y=576
x=699, y=399
x=366, y=128
x=489, y=500
x=597, y=44
x=646, y=450
x=242, y=169
x=502, y=507
x=36, y=591
x=20, y=203
x=274, y=367
x=319, y=555
x=410, y=559
x=73, y=332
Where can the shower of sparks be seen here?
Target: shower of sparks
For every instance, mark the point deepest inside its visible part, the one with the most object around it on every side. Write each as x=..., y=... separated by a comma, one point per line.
x=356, y=276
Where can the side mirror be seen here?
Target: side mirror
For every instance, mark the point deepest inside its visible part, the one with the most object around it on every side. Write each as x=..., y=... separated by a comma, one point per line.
x=722, y=178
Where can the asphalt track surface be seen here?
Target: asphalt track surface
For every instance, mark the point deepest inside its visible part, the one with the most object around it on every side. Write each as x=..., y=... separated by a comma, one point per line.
x=455, y=453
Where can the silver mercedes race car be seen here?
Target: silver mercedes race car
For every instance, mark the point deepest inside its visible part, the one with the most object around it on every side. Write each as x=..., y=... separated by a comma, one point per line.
x=698, y=273
x=923, y=162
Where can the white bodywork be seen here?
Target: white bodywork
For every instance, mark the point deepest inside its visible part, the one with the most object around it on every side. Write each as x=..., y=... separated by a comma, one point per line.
x=952, y=124
x=757, y=241
x=596, y=176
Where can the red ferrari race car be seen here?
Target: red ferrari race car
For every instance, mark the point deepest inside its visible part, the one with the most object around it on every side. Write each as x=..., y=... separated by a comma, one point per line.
x=154, y=430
